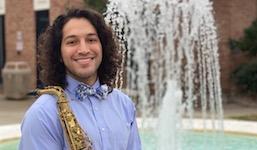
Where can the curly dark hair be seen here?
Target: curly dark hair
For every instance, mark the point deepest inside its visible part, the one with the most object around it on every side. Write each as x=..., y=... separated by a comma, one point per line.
x=53, y=71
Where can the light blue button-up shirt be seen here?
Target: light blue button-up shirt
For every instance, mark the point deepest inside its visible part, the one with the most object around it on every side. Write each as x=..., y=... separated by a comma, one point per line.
x=110, y=123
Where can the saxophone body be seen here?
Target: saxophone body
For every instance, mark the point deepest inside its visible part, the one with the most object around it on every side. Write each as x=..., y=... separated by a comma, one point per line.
x=76, y=137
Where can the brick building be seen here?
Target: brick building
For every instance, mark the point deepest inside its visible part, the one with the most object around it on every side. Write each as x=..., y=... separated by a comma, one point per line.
x=22, y=21
x=232, y=17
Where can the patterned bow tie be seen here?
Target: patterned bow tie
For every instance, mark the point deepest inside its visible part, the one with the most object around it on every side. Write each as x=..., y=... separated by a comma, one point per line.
x=83, y=91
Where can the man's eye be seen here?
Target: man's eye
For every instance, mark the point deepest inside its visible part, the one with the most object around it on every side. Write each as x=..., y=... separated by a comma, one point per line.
x=92, y=40
x=71, y=42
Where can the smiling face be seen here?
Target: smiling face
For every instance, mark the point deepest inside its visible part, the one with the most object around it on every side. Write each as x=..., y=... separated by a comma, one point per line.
x=81, y=50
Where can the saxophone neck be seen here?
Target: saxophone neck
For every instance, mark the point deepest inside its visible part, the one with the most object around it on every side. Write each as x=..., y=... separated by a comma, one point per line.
x=54, y=90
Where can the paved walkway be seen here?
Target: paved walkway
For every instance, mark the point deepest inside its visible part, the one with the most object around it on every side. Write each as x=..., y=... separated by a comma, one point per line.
x=12, y=111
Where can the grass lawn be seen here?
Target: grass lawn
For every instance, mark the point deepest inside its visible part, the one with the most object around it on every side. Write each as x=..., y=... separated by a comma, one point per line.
x=252, y=117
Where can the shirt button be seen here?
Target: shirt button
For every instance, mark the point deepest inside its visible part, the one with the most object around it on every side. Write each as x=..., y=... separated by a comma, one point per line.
x=95, y=108
x=103, y=129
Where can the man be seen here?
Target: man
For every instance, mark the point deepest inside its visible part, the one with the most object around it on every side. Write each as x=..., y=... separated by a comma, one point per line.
x=80, y=51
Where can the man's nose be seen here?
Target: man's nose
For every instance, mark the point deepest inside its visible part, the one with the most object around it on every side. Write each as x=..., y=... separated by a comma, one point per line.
x=83, y=47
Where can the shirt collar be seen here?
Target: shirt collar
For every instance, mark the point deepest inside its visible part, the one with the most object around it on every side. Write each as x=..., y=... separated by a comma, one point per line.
x=73, y=83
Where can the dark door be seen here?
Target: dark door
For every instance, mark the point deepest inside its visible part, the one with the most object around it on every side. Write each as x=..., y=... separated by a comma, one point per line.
x=2, y=46
x=42, y=21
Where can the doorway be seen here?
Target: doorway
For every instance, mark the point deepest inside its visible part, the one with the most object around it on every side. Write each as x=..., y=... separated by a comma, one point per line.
x=2, y=47
x=42, y=21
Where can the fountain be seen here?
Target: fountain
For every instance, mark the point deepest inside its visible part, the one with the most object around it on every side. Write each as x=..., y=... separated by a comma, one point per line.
x=171, y=64
x=171, y=67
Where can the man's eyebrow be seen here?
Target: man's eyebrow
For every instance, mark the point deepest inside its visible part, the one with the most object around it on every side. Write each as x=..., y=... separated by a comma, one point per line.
x=73, y=36
x=92, y=34
x=70, y=36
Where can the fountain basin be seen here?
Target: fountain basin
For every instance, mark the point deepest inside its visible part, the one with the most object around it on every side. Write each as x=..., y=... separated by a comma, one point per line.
x=237, y=134
x=230, y=126
x=194, y=140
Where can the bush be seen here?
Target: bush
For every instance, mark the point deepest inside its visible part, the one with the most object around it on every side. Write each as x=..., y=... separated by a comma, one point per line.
x=246, y=77
x=248, y=43
x=99, y=5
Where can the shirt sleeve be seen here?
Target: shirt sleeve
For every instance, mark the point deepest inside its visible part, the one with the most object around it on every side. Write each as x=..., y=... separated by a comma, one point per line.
x=134, y=142
x=40, y=129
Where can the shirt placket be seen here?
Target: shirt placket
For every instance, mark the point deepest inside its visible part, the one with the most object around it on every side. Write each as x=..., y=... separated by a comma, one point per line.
x=102, y=127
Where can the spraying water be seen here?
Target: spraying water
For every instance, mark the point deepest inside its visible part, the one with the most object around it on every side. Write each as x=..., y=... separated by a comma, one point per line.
x=170, y=54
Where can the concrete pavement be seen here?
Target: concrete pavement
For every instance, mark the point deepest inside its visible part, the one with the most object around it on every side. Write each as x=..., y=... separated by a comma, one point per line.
x=12, y=111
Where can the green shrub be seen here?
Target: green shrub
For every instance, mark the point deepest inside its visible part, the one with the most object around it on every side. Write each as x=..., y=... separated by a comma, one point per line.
x=248, y=42
x=99, y=5
x=246, y=77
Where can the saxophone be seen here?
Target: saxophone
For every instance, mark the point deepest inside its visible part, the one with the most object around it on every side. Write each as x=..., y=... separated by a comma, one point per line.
x=76, y=137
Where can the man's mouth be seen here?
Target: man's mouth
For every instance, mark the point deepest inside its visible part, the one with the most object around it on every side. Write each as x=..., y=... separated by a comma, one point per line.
x=84, y=60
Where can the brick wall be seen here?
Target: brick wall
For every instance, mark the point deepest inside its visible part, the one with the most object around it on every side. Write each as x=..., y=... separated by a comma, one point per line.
x=232, y=17
x=20, y=17
x=59, y=7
